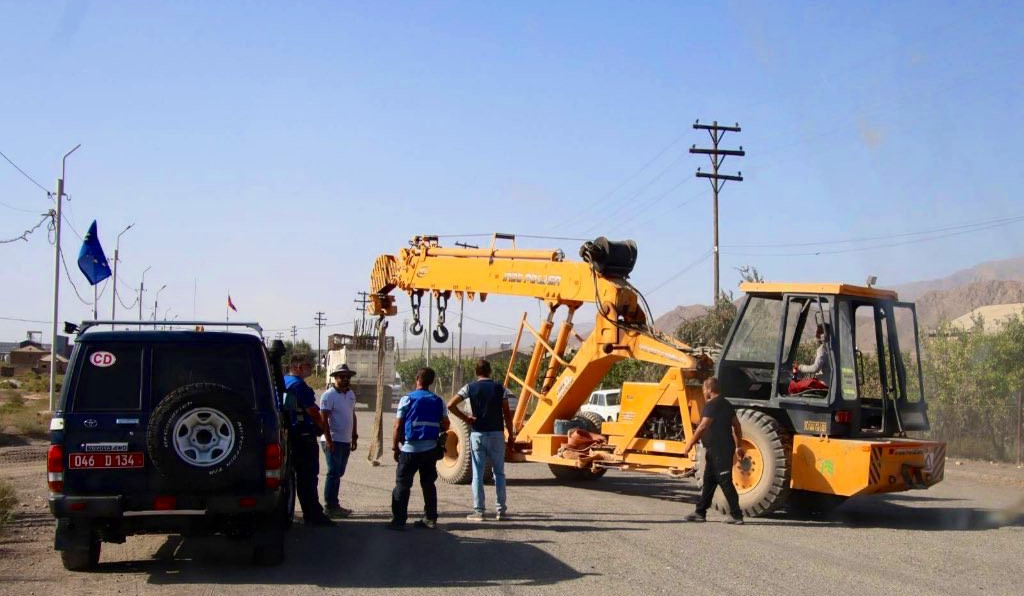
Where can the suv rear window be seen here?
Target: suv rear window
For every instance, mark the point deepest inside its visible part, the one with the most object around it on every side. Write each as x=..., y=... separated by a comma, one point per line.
x=176, y=365
x=109, y=379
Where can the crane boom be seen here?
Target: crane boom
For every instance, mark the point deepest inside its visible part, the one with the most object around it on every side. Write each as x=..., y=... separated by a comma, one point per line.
x=620, y=331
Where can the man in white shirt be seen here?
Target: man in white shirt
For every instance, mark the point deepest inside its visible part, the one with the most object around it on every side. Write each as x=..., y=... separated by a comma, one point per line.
x=338, y=405
x=821, y=368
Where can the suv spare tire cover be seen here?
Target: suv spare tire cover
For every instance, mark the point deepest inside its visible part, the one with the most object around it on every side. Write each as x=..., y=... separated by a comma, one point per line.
x=206, y=437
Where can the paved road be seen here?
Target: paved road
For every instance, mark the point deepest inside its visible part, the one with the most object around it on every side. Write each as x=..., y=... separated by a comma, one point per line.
x=620, y=535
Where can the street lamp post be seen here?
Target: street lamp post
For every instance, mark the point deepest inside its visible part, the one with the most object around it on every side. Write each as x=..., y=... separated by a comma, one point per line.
x=156, y=300
x=117, y=247
x=142, y=288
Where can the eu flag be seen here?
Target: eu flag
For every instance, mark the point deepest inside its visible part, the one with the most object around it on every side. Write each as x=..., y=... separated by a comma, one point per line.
x=91, y=259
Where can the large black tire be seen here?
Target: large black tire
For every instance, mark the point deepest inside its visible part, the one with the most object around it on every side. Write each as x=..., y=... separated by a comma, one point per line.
x=230, y=417
x=456, y=467
x=82, y=559
x=287, y=505
x=771, y=490
x=271, y=554
x=590, y=422
x=594, y=419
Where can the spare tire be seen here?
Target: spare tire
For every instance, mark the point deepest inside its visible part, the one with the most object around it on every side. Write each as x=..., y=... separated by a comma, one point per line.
x=206, y=437
x=456, y=467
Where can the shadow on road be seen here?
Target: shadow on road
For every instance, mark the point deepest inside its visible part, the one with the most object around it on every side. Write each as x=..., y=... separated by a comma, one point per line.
x=635, y=485
x=358, y=554
x=887, y=512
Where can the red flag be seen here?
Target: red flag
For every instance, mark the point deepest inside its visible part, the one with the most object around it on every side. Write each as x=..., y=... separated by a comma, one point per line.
x=231, y=304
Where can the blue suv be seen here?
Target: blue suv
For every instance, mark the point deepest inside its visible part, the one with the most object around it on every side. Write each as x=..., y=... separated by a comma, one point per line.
x=169, y=432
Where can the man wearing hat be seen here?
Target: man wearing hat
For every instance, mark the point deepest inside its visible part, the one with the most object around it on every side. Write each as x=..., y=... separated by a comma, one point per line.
x=338, y=405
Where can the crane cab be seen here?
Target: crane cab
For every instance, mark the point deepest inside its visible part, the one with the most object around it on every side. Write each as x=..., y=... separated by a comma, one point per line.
x=837, y=368
x=858, y=347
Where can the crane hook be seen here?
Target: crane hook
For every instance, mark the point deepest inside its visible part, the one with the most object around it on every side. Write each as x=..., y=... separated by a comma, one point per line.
x=441, y=334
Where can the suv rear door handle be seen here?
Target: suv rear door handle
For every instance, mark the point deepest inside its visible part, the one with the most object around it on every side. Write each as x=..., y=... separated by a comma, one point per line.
x=127, y=421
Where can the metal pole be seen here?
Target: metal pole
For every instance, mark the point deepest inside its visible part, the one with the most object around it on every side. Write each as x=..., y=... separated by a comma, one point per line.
x=430, y=325
x=117, y=250
x=458, y=365
x=56, y=282
x=95, y=303
x=142, y=288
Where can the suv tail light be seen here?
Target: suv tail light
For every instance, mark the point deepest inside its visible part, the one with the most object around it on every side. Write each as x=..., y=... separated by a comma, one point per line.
x=272, y=463
x=55, y=468
x=844, y=416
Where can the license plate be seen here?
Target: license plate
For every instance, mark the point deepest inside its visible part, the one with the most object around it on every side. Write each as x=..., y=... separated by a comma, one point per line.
x=105, y=461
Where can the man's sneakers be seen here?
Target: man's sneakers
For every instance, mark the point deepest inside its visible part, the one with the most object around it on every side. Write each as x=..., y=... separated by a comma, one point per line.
x=318, y=520
x=502, y=516
x=429, y=524
x=736, y=521
x=337, y=512
x=476, y=516
x=693, y=517
x=393, y=525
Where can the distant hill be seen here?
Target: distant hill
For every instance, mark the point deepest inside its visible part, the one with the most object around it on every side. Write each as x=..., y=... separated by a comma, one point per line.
x=1005, y=270
x=936, y=305
x=670, y=321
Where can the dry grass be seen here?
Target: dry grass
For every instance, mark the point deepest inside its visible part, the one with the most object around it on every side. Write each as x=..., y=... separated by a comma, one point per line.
x=21, y=416
x=7, y=502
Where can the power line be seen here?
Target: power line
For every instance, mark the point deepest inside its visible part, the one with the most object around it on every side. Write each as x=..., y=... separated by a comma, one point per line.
x=999, y=220
x=24, y=320
x=627, y=203
x=675, y=275
x=71, y=281
x=876, y=247
x=30, y=178
x=490, y=323
x=24, y=235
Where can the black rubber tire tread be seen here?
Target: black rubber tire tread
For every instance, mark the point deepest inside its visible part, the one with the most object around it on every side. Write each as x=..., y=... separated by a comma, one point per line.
x=774, y=442
x=594, y=419
x=287, y=506
x=81, y=560
x=269, y=555
x=462, y=470
x=590, y=422
x=244, y=466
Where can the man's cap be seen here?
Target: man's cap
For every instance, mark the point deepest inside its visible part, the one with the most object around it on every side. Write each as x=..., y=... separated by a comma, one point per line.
x=342, y=369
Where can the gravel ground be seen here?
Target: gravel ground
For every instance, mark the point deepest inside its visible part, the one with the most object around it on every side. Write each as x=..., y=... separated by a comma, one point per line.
x=621, y=534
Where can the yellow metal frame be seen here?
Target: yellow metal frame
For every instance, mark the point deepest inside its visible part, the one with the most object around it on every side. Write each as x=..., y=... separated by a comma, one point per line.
x=816, y=288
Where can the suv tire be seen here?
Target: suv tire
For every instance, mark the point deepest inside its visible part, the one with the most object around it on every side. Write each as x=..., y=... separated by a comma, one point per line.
x=204, y=436
x=81, y=559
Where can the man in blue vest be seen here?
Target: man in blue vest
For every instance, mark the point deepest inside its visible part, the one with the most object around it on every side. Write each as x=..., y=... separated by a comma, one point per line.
x=306, y=424
x=420, y=418
x=488, y=401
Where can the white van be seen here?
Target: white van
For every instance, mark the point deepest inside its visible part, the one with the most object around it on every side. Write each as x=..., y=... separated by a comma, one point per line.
x=604, y=403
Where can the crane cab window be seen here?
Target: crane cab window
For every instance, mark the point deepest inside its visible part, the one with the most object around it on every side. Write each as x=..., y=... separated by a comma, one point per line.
x=808, y=348
x=748, y=364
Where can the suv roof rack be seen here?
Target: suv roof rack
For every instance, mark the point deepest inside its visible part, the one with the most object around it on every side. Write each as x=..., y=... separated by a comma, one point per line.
x=86, y=325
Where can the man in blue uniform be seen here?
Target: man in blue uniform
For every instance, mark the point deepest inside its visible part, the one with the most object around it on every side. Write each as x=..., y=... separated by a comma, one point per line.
x=420, y=418
x=300, y=402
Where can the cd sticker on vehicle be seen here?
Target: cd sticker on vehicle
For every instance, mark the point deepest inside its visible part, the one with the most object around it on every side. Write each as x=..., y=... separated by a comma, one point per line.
x=102, y=359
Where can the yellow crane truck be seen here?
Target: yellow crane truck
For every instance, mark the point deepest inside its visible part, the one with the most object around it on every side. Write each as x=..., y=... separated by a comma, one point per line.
x=805, y=444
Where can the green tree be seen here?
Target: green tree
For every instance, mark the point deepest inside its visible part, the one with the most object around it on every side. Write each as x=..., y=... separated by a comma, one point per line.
x=711, y=328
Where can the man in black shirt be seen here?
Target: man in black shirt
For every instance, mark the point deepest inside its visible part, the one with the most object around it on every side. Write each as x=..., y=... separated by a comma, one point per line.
x=717, y=425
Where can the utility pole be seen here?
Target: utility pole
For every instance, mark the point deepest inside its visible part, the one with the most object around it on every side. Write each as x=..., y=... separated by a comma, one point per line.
x=142, y=288
x=295, y=335
x=320, y=321
x=430, y=325
x=117, y=249
x=56, y=280
x=279, y=335
x=361, y=308
x=405, y=335
x=717, y=180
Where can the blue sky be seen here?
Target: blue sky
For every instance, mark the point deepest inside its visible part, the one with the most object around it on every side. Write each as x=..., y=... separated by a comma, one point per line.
x=274, y=149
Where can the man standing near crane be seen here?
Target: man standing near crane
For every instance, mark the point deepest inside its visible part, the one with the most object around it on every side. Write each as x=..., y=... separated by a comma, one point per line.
x=718, y=423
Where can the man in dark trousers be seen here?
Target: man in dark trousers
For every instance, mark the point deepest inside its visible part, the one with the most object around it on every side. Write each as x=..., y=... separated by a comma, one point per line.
x=490, y=419
x=420, y=418
x=306, y=424
x=717, y=426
